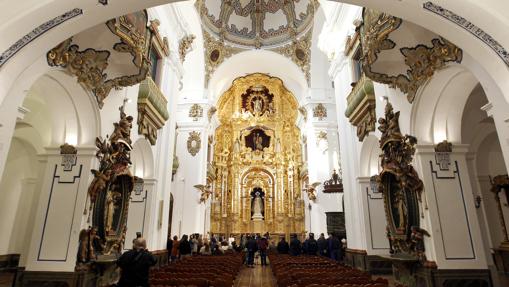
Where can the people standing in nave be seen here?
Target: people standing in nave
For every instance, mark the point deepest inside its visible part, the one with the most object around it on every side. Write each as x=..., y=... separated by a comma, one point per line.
x=200, y=242
x=295, y=245
x=263, y=245
x=252, y=247
x=310, y=245
x=175, y=249
x=322, y=245
x=184, y=247
x=335, y=248
x=194, y=245
x=135, y=265
x=282, y=246
x=205, y=249
x=169, y=247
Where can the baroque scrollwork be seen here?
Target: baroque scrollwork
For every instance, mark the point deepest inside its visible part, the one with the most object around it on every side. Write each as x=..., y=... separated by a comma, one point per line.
x=210, y=113
x=320, y=111
x=89, y=65
x=422, y=60
x=443, y=154
x=185, y=45
x=109, y=194
x=195, y=112
x=193, y=143
x=401, y=187
x=299, y=51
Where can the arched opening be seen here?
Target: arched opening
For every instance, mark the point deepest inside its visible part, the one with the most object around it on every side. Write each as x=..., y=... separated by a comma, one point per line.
x=54, y=111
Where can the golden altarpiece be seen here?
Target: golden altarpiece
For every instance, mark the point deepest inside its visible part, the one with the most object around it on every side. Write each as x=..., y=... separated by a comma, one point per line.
x=257, y=160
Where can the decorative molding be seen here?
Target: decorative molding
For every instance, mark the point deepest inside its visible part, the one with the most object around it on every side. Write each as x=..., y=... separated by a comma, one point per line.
x=299, y=51
x=158, y=42
x=321, y=136
x=304, y=112
x=195, y=112
x=443, y=155
x=103, y=2
x=210, y=113
x=152, y=110
x=470, y=27
x=69, y=156
x=320, y=112
x=185, y=46
x=193, y=143
x=215, y=54
x=221, y=18
x=422, y=60
x=89, y=65
x=35, y=33
x=360, y=108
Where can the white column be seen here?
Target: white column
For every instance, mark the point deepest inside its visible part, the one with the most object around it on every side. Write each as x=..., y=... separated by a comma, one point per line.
x=59, y=213
x=448, y=211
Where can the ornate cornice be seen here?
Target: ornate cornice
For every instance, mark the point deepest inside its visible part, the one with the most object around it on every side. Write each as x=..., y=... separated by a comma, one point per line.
x=152, y=110
x=185, y=45
x=422, y=60
x=32, y=35
x=89, y=65
x=470, y=27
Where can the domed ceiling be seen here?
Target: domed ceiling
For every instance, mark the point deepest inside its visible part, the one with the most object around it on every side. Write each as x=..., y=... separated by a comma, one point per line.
x=257, y=23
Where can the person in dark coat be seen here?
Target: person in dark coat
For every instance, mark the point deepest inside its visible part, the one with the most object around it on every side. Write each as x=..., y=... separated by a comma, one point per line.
x=135, y=265
x=310, y=245
x=263, y=245
x=335, y=248
x=169, y=247
x=252, y=247
x=282, y=246
x=322, y=245
x=295, y=246
x=184, y=247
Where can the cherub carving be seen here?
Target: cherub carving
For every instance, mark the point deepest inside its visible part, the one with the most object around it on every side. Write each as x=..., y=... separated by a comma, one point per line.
x=311, y=190
x=205, y=192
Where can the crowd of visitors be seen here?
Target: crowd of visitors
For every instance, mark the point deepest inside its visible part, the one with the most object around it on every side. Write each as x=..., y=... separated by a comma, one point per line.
x=135, y=264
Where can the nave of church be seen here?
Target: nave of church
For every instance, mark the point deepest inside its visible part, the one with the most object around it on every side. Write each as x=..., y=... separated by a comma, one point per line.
x=140, y=140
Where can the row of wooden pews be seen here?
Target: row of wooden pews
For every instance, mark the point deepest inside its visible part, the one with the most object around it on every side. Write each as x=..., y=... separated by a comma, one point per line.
x=199, y=271
x=318, y=271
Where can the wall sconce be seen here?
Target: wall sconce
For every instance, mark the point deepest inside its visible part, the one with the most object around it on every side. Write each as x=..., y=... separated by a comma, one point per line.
x=478, y=200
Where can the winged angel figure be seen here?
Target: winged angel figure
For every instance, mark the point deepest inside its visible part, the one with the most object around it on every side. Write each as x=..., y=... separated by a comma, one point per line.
x=205, y=192
x=311, y=190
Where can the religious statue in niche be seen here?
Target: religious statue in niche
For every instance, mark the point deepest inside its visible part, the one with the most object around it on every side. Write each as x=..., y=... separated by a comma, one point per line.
x=401, y=188
x=257, y=140
x=109, y=195
x=258, y=101
x=257, y=205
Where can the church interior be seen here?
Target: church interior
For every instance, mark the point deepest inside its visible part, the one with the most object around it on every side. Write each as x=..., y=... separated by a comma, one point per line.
x=376, y=130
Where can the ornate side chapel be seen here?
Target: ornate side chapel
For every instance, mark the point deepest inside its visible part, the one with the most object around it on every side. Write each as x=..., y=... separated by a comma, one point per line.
x=257, y=159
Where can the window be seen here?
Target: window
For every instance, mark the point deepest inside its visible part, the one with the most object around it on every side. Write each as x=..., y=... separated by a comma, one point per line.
x=154, y=59
x=356, y=65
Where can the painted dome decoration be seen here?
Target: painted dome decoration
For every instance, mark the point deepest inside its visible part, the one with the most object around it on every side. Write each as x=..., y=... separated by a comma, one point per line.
x=257, y=23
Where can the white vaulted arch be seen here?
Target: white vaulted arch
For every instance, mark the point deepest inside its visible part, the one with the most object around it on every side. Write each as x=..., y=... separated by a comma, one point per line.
x=248, y=62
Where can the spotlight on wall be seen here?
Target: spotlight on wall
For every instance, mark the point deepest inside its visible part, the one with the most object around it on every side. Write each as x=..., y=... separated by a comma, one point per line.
x=478, y=200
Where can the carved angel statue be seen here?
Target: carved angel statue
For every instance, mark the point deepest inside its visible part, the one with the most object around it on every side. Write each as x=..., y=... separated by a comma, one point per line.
x=205, y=192
x=311, y=190
x=104, y=151
x=98, y=183
x=123, y=127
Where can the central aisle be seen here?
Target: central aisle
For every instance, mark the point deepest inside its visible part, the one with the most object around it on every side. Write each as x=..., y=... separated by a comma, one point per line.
x=255, y=277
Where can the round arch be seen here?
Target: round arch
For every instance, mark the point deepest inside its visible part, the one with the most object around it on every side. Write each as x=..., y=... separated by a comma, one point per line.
x=369, y=156
x=248, y=62
x=438, y=108
x=143, y=159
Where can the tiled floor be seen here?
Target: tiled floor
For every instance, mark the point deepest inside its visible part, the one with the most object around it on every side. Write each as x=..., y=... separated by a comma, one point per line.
x=255, y=277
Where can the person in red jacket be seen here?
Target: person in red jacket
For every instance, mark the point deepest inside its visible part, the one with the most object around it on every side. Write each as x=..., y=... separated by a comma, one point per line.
x=263, y=245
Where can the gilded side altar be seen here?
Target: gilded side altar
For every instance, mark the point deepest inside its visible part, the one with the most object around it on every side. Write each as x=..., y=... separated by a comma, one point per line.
x=257, y=155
